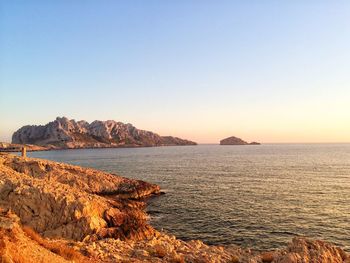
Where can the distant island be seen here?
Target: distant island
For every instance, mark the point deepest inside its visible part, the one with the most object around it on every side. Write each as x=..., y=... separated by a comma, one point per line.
x=236, y=141
x=63, y=133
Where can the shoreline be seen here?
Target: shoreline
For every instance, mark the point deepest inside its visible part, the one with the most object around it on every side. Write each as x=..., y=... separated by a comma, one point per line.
x=37, y=148
x=45, y=148
x=103, y=216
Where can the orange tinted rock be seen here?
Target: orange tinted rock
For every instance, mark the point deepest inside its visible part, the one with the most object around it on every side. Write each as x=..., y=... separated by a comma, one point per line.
x=268, y=256
x=59, y=200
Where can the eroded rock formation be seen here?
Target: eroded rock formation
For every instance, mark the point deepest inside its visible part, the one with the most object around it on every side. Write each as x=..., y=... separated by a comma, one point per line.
x=65, y=133
x=166, y=248
x=65, y=201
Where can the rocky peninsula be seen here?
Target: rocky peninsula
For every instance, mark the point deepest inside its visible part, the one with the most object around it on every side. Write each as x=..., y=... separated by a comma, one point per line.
x=55, y=212
x=63, y=133
x=13, y=147
x=236, y=141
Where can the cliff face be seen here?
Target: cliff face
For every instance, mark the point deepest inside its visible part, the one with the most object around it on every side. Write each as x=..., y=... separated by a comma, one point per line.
x=236, y=141
x=65, y=133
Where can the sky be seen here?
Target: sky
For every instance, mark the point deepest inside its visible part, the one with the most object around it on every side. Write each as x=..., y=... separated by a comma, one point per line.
x=268, y=71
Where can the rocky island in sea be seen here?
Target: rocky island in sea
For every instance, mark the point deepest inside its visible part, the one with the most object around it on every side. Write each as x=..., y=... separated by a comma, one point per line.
x=55, y=212
x=236, y=141
x=63, y=133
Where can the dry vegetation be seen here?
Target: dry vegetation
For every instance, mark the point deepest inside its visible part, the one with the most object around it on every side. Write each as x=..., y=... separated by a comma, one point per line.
x=56, y=247
x=6, y=257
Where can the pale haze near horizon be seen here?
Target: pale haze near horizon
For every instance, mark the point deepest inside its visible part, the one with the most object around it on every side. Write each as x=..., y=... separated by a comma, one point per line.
x=201, y=70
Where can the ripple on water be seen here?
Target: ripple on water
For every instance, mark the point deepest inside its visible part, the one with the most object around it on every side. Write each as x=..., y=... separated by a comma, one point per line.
x=252, y=196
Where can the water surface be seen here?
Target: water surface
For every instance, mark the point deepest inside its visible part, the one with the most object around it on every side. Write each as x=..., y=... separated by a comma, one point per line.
x=256, y=196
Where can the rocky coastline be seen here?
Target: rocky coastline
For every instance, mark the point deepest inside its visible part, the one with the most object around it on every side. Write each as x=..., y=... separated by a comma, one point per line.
x=55, y=212
x=12, y=147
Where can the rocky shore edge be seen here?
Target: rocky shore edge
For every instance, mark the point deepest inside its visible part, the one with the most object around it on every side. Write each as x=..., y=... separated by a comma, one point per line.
x=14, y=147
x=55, y=212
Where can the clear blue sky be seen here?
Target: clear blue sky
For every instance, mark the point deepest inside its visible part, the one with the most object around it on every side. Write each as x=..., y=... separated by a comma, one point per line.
x=272, y=71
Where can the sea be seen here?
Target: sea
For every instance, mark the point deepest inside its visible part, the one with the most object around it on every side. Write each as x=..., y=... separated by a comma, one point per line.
x=253, y=196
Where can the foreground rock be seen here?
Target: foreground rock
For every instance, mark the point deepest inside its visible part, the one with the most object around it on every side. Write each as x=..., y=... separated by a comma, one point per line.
x=165, y=248
x=85, y=215
x=65, y=201
x=236, y=141
x=83, y=179
x=160, y=248
x=65, y=133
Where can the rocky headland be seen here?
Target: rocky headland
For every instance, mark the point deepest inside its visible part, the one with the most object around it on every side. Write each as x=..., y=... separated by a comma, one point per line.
x=13, y=147
x=236, y=141
x=63, y=133
x=55, y=212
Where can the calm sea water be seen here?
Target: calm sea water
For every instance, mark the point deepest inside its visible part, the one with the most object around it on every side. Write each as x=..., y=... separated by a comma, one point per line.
x=254, y=196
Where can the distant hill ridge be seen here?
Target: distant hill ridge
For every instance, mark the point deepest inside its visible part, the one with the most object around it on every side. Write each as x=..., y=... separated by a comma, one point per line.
x=65, y=133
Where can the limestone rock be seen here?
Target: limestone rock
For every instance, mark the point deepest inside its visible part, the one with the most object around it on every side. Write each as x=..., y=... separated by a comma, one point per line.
x=65, y=201
x=65, y=133
x=85, y=179
x=307, y=250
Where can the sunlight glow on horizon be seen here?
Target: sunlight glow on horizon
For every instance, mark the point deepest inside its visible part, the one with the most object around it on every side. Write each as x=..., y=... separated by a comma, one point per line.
x=272, y=72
